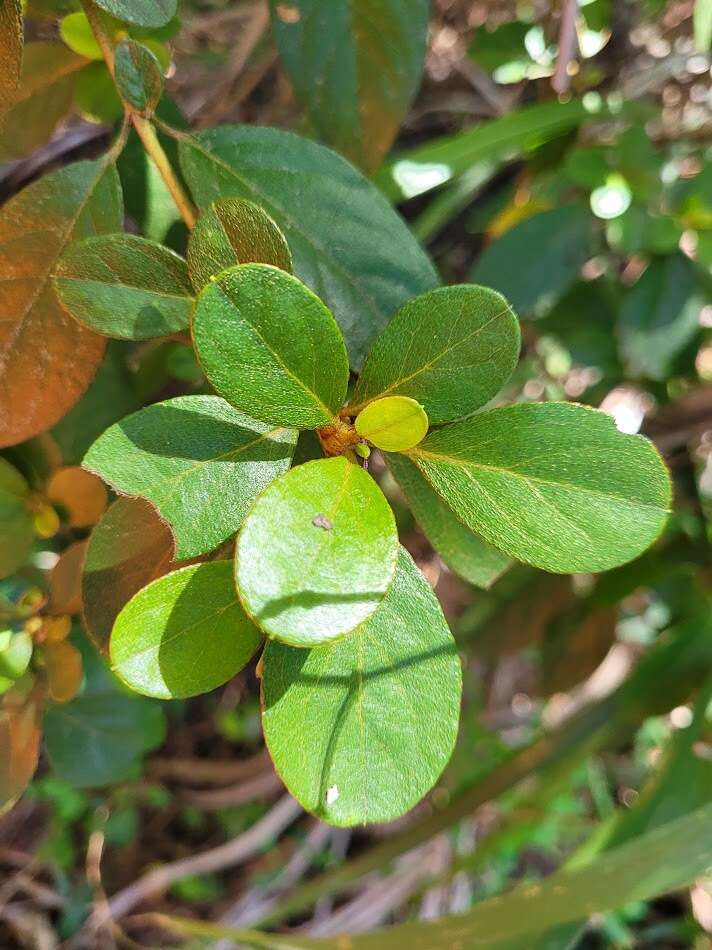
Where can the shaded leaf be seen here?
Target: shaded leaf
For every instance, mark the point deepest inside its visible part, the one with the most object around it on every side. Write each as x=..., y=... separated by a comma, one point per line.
x=151, y=13
x=125, y=286
x=554, y=484
x=198, y=460
x=43, y=97
x=65, y=580
x=128, y=548
x=271, y=347
x=394, y=423
x=10, y=50
x=95, y=95
x=46, y=358
x=138, y=75
x=19, y=744
x=16, y=533
x=183, y=634
x=451, y=349
x=377, y=712
x=356, y=64
x=317, y=552
x=462, y=550
x=348, y=244
x=234, y=231
x=79, y=495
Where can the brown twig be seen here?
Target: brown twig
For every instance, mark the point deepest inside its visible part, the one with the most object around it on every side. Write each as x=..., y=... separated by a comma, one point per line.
x=265, y=785
x=194, y=771
x=567, y=46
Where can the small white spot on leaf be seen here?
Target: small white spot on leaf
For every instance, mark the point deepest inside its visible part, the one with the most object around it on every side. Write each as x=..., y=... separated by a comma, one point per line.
x=332, y=794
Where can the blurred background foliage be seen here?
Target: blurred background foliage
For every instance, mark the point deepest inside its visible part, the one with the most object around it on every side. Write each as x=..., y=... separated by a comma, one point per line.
x=587, y=720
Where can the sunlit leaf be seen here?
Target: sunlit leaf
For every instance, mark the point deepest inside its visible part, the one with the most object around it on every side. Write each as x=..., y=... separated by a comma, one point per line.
x=138, y=75
x=19, y=744
x=16, y=532
x=80, y=495
x=75, y=29
x=63, y=666
x=393, y=423
x=15, y=655
x=10, y=51
x=65, y=580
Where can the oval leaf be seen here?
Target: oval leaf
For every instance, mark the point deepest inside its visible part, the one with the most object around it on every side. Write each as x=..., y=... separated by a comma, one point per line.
x=271, y=347
x=184, y=634
x=317, y=552
x=553, y=484
x=394, y=423
x=451, y=349
x=125, y=286
x=198, y=460
x=138, y=75
x=16, y=532
x=47, y=359
x=233, y=231
x=63, y=666
x=356, y=65
x=360, y=730
x=75, y=29
x=348, y=243
x=128, y=548
x=10, y=50
x=151, y=13
x=20, y=735
x=79, y=495
x=65, y=580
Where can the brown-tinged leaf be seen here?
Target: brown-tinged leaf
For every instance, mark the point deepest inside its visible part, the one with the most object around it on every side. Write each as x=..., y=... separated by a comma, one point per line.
x=19, y=744
x=10, y=50
x=63, y=666
x=128, y=548
x=65, y=581
x=79, y=494
x=47, y=359
x=43, y=98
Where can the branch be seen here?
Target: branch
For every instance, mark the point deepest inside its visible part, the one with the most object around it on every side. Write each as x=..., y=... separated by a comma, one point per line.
x=567, y=45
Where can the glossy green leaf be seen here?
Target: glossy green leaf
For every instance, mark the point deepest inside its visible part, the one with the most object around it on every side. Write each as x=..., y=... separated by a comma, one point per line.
x=532, y=281
x=360, y=730
x=553, y=484
x=317, y=552
x=101, y=736
x=234, y=231
x=661, y=315
x=47, y=359
x=356, y=64
x=464, y=552
x=16, y=532
x=451, y=349
x=151, y=13
x=124, y=286
x=271, y=347
x=75, y=29
x=138, y=75
x=184, y=634
x=198, y=460
x=10, y=51
x=348, y=244
x=394, y=423
x=43, y=97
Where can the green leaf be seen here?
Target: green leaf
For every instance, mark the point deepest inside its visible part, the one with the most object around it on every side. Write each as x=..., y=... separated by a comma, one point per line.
x=138, y=75
x=702, y=20
x=15, y=656
x=464, y=552
x=532, y=282
x=95, y=95
x=43, y=98
x=101, y=736
x=356, y=64
x=553, y=484
x=271, y=347
x=124, y=286
x=451, y=349
x=660, y=316
x=151, y=13
x=47, y=359
x=348, y=244
x=394, y=423
x=184, y=634
x=10, y=51
x=360, y=730
x=317, y=552
x=129, y=547
x=198, y=460
x=234, y=231
x=75, y=29
x=16, y=533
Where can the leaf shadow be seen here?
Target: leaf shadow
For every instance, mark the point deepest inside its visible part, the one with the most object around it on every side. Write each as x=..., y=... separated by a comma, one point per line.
x=309, y=599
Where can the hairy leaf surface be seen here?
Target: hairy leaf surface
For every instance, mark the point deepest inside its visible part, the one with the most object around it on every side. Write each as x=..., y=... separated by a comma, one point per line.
x=10, y=51
x=138, y=75
x=393, y=423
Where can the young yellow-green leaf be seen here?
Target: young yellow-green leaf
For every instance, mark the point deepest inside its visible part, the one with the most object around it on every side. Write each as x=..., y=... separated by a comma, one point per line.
x=360, y=730
x=10, y=51
x=138, y=75
x=394, y=423
x=43, y=97
x=462, y=550
x=552, y=484
x=270, y=347
x=348, y=243
x=15, y=656
x=16, y=532
x=75, y=29
x=184, y=634
x=234, y=231
x=125, y=286
x=198, y=460
x=150, y=13
x=451, y=349
x=317, y=552
x=47, y=359
x=356, y=65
